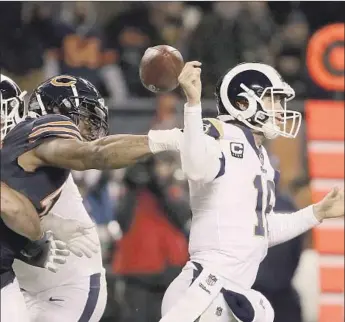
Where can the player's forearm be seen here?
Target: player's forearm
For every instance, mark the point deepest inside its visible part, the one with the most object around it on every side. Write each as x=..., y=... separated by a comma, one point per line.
x=283, y=227
x=118, y=151
x=20, y=217
x=28, y=228
x=198, y=161
x=111, y=152
x=21, y=220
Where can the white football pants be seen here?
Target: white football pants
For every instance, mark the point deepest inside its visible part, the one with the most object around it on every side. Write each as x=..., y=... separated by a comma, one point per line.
x=13, y=308
x=82, y=301
x=218, y=310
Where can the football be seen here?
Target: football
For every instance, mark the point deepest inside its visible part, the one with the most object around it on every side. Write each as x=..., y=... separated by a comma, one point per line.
x=160, y=67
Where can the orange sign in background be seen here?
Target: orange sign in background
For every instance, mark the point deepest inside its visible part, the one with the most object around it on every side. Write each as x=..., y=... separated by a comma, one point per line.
x=325, y=57
x=325, y=134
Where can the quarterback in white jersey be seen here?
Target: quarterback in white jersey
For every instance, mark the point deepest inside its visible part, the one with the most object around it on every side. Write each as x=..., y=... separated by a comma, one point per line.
x=232, y=191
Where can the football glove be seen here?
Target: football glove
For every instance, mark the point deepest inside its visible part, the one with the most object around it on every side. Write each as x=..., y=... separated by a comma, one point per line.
x=46, y=252
x=75, y=234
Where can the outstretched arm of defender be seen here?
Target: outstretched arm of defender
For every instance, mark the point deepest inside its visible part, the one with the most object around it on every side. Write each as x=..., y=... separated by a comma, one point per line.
x=19, y=216
x=112, y=152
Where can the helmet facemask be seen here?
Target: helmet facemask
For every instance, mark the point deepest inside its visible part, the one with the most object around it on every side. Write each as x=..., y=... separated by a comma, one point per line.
x=12, y=112
x=91, y=118
x=272, y=118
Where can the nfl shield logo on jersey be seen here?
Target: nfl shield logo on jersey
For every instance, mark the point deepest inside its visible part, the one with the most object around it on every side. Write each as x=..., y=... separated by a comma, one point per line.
x=211, y=280
x=261, y=157
x=219, y=311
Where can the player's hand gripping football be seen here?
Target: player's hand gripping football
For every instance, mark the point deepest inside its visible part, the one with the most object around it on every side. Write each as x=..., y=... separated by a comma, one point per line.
x=332, y=206
x=190, y=82
x=73, y=232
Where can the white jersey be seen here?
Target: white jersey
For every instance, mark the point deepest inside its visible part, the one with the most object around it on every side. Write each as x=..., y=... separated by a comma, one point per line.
x=35, y=279
x=229, y=230
x=232, y=189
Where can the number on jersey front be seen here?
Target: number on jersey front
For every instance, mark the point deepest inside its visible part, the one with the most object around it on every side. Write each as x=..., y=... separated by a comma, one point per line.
x=48, y=202
x=263, y=208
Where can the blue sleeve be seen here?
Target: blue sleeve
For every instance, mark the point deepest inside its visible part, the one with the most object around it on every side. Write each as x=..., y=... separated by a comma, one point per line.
x=53, y=125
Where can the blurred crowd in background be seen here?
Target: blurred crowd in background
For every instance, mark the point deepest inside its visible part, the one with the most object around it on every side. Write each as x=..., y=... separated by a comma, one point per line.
x=143, y=212
x=104, y=41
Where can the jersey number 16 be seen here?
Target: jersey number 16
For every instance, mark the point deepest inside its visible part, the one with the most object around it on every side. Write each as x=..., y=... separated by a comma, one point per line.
x=262, y=212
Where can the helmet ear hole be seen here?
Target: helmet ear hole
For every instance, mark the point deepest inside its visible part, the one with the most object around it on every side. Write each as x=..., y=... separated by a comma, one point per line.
x=241, y=103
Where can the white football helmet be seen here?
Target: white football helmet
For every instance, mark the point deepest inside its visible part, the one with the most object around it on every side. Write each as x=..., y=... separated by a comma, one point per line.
x=12, y=104
x=256, y=95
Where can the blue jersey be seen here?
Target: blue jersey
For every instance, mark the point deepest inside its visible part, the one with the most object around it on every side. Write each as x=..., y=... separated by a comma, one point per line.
x=42, y=186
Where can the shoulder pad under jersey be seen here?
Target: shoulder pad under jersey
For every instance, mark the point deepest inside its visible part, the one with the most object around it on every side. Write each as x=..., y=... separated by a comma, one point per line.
x=213, y=127
x=54, y=125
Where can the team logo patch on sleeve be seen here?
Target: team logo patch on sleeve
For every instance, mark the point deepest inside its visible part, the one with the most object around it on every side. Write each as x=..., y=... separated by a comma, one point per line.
x=213, y=128
x=237, y=150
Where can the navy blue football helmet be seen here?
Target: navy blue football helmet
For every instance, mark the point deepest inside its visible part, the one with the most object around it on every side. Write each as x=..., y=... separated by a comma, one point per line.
x=255, y=95
x=74, y=97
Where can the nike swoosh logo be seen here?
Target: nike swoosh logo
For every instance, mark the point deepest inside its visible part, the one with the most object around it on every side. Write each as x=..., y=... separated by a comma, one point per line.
x=55, y=300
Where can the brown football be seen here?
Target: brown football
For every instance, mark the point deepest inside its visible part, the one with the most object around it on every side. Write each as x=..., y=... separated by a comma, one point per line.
x=160, y=68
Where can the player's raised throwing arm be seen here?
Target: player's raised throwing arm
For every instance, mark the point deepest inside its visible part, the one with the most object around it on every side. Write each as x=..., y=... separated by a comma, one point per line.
x=111, y=152
x=20, y=217
x=200, y=154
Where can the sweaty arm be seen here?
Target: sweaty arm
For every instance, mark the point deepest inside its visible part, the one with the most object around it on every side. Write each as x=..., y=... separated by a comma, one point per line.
x=200, y=153
x=283, y=227
x=111, y=152
x=18, y=215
